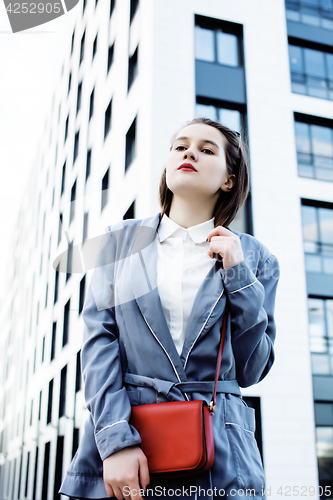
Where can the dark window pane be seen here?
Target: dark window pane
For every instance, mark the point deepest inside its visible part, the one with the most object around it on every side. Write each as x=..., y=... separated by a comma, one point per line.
x=132, y=68
x=78, y=372
x=105, y=189
x=66, y=323
x=63, y=384
x=82, y=47
x=88, y=165
x=56, y=284
x=130, y=145
x=82, y=293
x=91, y=104
x=76, y=145
x=112, y=6
x=133, y=8
x=130, y=214
x=53, y=340
x=69, y=261
x=50, y=401
x=73, y=198
x=63, y=179
x=110, y=56
x=94, y=47
x=107, y=120
x=79, y=97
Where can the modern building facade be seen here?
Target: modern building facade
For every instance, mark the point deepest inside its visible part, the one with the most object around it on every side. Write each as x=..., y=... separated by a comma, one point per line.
x=133, y=73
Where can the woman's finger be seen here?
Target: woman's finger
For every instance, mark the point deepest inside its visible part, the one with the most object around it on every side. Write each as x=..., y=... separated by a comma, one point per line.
x=144, y=472
x=219, y=231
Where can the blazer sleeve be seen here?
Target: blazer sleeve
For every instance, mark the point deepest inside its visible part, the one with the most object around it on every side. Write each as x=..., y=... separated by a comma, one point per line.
x=105, y=396
x=251, y=301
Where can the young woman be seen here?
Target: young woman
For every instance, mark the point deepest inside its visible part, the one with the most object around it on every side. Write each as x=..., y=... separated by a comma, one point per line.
x=153, y=319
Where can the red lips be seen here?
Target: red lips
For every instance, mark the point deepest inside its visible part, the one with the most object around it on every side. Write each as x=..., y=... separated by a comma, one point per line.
x=187, y=166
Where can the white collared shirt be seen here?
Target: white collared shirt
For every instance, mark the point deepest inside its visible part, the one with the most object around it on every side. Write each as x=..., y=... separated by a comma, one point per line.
x=183, y=263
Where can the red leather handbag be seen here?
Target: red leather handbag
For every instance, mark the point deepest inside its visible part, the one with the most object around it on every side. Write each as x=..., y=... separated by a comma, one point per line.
x=177, y=437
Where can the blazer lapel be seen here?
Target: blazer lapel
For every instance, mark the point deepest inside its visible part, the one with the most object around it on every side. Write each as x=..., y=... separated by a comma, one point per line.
x=143, y=273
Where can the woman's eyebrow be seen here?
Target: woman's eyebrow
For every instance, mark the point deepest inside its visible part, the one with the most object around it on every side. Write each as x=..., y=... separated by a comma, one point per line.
x=202, y=140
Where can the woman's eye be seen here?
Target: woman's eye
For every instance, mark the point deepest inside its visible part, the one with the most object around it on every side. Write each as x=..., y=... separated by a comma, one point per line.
x=180, y=148
x=208, y=151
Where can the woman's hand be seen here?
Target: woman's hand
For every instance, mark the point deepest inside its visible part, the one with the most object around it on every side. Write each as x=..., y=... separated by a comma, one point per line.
x=123, y=470
x=227, y=244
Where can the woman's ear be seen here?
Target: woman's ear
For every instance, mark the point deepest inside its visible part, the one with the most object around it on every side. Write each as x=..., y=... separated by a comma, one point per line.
x=229, y=183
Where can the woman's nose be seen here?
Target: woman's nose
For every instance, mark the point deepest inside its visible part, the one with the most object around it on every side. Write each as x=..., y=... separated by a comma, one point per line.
x=190, y=155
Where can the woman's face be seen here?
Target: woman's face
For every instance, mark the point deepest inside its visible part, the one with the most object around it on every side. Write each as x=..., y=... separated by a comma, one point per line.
x=196, y=164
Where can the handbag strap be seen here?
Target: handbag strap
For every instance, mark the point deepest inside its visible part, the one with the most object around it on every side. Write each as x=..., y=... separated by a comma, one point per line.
x=212, y=404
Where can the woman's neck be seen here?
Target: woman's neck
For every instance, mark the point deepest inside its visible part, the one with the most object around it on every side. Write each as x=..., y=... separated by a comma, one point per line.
x=188, y=214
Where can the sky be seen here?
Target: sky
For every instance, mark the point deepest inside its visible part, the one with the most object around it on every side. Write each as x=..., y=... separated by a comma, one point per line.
x=30, y=62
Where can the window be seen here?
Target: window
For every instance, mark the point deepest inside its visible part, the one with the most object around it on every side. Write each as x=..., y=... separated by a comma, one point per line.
x=82, y=293
x=314, y=143
x=46, y=467
x=63, y=179
x=88, y=163
x=40, y=405
x=66, y=324
x=69, y=265
x=231, y=118
x=60, y=228
x=72, y=44
x=58, y=466
x=27, y=475
x=311, y=72
x=79, y=97
x=107, y=120
x=53, y=340
x=85, y=227
x=82, y=47
x=84, y=6
x=31, y=411
x=218, y=41
x=130, y=145
x=66, y=128
x=94, y=50
x=78, y=372
x=132, y=68
x=318, y=237
x=112, y=6
x=63, y=384
x=105, y=189
x=56, y=284
x=312, y=12
x=49, y=404
x=110, y=56
x=324, y=445
x=76, y=145
x=133, y=9
x=69, y=82
x=43, y=349
x=73, y=198
x=321, y=335
x=130, y=213
x=46, y=294
x=91, y=103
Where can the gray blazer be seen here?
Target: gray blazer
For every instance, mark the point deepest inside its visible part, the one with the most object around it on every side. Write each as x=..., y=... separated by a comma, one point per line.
x=129, y=357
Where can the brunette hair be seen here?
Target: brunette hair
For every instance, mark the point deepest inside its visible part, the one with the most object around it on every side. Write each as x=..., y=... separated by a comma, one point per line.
x=228, y=203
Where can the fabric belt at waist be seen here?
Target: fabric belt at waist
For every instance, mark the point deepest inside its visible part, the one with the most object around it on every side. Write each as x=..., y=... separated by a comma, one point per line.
x=178, y=388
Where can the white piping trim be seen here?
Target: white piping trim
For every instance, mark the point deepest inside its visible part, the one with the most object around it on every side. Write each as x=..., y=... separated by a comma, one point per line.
x=246, y=430
x=120, y=421
x=243, y=287
x=166, y=352
x=203, y=326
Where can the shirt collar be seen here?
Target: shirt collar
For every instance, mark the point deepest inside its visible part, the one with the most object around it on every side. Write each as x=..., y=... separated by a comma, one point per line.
x=198, y=233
